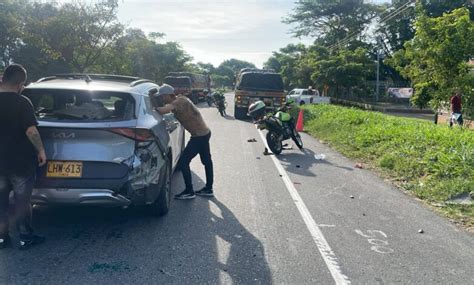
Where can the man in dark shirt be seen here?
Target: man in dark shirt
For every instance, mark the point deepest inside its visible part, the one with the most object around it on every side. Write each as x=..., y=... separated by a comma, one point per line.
x=456, y=108
x=21, y=150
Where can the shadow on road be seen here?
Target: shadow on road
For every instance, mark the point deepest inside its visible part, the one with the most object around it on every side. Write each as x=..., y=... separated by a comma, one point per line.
x=229, y=117
x=301, y=162
x=199, y=241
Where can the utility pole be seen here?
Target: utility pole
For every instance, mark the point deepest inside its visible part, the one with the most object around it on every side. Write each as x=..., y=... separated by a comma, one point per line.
x=377, y=85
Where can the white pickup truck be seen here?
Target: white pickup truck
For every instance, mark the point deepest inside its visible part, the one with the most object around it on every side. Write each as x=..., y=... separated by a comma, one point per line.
x=305, y=96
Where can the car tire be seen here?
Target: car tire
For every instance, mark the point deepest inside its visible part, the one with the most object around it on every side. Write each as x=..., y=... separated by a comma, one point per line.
x=161, y=205
x=240, y=113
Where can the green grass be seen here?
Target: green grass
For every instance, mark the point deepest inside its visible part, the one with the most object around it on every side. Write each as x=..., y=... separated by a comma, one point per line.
x=433, y=162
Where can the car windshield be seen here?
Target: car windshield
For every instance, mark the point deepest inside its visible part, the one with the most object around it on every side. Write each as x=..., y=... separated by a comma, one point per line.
x=80, y=105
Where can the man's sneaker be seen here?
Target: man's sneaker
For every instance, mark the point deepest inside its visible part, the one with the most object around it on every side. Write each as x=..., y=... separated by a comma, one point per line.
x=5, y=242
x=205, y=192
x=30, y=240
x=185, y=195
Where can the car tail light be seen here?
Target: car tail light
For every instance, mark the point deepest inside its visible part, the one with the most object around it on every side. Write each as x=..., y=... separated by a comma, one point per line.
x=137, y=134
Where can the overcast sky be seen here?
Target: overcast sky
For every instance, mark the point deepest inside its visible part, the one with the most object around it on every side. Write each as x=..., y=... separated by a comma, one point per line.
x=216, y=30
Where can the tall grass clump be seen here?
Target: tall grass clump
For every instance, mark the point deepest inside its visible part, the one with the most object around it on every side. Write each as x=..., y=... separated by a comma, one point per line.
x=434, y=162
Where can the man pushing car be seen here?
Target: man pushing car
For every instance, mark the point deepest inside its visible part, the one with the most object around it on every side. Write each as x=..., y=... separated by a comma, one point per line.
x=191, y=119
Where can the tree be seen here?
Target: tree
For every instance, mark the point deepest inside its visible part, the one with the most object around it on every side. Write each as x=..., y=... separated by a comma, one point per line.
x=436, y=60
x=206, y=67
x=346, y=72
x=137, y=54
x=436, y=8
x=395, y=31
x=330, y=21
x=236, y=65
x=75, y=32
x=11, y=26
x=228, y=69
x=286, y=62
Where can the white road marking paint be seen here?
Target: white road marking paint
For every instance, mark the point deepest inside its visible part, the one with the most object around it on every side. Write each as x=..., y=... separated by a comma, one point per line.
x=326, y=226
x=378, y=245
x=327, y=254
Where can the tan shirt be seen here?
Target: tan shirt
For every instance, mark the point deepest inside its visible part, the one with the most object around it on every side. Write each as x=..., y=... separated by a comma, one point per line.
x=189, y=116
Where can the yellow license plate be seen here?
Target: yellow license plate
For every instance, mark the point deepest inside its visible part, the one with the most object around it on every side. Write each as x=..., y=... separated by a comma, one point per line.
x=64, y=169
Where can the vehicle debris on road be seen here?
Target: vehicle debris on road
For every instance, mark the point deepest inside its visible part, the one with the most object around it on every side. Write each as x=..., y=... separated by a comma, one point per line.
x=359, y=165
x=320, y=156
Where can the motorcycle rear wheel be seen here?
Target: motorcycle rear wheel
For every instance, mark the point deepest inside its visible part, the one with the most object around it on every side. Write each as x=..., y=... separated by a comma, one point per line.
x=274, y=143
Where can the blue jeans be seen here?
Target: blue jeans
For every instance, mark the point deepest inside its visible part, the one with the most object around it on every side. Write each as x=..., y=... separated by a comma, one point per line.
x=22, y=187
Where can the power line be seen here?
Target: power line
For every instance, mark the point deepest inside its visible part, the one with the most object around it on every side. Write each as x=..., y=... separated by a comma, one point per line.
x=371, y=19
x=388, y=17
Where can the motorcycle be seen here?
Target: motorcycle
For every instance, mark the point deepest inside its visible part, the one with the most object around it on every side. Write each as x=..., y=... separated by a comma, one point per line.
x=209, y=100
x=280, y=126
x=220, y=103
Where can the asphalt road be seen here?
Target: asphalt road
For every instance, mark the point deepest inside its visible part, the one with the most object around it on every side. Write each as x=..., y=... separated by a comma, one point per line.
x=293, y=219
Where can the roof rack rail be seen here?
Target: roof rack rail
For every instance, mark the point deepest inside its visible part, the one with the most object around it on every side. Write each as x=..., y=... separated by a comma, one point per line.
x=91, y=77
x=46, y=78
x=139, y=81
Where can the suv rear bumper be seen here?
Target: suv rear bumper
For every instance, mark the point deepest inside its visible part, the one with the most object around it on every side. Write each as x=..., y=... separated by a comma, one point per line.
x=102, y=197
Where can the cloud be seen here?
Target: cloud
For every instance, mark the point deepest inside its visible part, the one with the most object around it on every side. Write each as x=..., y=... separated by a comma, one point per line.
x=212, y=31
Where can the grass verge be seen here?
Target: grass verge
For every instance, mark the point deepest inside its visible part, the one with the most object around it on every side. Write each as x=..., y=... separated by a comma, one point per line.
x=433, y=162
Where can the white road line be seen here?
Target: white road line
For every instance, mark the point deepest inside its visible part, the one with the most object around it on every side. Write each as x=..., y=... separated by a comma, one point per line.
x=326, y=252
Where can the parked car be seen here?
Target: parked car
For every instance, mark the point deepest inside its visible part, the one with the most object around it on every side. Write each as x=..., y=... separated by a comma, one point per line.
x=104, y=142
x=303, y=96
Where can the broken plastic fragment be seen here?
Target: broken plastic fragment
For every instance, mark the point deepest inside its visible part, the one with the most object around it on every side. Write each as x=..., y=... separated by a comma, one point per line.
x=320, y=156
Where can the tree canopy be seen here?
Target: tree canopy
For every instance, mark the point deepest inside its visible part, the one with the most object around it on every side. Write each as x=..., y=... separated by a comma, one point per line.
x=425, y=44
x=330, y=21
x=436, y=59
x=87, y=37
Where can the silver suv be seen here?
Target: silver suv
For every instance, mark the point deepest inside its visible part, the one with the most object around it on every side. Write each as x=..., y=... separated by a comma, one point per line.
x=104, y=142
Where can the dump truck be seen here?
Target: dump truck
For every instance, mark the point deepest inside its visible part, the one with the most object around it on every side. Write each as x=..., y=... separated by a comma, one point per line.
x=199, y=83
x=181, y=84
x=257, y=84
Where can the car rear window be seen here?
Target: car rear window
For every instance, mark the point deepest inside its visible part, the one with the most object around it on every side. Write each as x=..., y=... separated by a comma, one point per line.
x=260, y=82
x=80, y=105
